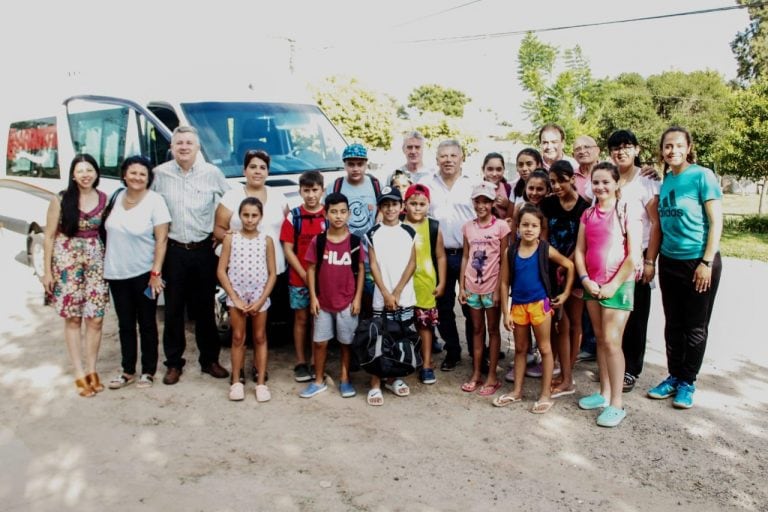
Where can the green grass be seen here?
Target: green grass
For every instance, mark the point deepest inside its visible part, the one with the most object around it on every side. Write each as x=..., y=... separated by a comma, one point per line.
x=736, y=242
x=749, y=246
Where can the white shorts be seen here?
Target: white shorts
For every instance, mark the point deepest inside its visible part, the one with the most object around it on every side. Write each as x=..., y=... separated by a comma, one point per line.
x=344, y=321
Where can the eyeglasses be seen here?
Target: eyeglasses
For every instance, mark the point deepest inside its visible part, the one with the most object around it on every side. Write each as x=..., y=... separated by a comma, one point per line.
x=627, y=148
x=581, y=149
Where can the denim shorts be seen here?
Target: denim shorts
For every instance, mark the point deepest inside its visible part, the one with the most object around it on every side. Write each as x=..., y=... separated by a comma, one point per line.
x=480, y=300
x=298, y=296
x=344, y=322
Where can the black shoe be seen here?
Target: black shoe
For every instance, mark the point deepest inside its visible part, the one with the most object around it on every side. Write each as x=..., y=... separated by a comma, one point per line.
x=449, y=364
x=216, y=370
x=301, y=373
x=629, y=382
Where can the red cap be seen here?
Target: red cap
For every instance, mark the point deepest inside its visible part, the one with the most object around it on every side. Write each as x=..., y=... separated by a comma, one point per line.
x=417, y=188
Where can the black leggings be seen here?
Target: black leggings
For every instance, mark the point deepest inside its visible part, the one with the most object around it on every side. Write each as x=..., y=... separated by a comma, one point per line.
x=132, y=307
x=687, y=313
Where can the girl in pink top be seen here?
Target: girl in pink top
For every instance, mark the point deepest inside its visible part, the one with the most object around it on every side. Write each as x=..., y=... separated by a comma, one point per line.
x=606, y=251
x=484, y=241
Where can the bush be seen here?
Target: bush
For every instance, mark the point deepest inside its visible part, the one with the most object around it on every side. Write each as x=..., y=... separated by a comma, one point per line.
x=754, y=224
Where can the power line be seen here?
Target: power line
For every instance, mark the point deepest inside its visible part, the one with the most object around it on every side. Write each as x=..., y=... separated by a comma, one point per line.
x=583, y=25
x=426, y=16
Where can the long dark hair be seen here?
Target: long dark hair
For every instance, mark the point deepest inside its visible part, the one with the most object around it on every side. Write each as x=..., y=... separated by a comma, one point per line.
x=519, y=190
x=70, y=199
x=690, y=158
x=620, y=137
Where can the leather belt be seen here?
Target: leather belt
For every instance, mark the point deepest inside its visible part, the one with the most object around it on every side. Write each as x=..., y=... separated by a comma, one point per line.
x=453, y=252
x=191, y=246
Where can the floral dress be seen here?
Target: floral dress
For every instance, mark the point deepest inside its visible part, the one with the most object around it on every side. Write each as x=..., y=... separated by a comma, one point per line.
x=78, y=268
x=247, y=271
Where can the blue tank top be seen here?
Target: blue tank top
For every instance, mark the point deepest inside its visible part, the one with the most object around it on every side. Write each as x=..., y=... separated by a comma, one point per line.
x=527, y=286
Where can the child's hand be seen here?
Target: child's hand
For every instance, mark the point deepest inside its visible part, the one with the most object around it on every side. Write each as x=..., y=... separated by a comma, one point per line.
x=508, y=323
x=592, y=287
x=649, y=271
x=439, y=291
x=255, y=307
x=240, y=304
x=390, y=301
x=462, y=296
x=314, y=306
x=355, y=310
x=607, y=291
x=559, y=300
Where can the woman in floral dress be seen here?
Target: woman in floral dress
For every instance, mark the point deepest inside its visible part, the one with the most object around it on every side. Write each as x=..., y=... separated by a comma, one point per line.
x=74, y=268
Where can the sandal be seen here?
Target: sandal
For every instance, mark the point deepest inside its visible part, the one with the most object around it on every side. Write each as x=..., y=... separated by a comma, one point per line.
x=542, y=407
x=145, y=381
x=84, y=389
x=471, y=386
x=262, y=393
x=398, y=387
x=375, y=397
x=489, y=389
x=121, y=380
x=93, y=380
x=505, y=399
x=557, y=391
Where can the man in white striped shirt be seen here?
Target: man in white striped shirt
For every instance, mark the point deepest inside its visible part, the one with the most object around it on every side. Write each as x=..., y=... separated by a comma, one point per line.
x=191, y=190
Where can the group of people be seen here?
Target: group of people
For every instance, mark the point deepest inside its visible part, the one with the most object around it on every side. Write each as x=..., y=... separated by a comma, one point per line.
x=570, y=235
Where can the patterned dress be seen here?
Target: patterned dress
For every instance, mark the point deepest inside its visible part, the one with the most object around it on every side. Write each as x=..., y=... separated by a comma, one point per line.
x=247, y=271
x=78, y=268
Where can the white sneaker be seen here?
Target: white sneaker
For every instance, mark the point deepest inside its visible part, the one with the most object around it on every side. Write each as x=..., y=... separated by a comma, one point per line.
x=237, y=392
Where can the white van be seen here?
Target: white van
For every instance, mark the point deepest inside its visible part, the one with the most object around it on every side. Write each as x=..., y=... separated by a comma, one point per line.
x=40, y=141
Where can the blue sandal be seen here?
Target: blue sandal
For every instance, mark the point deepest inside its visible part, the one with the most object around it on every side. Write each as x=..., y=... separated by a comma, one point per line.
x=594, y=401
x=611, y=416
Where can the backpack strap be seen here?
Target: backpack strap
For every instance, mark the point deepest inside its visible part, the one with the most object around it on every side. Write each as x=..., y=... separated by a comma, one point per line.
x=296, y=220
x=544, y=266
x=434, y=224
x=376, y=185
x=354, y=252
x=320, y=249
x=337, y=184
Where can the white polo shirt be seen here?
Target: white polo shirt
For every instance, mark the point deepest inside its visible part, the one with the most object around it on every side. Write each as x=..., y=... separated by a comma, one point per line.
x=452, y=207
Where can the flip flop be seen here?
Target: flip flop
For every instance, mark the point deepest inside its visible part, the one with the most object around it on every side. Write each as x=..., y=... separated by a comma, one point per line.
x=541, y=407
x=375, y=397
x=471, y=386
x=398, y=387
x=505, y=399
x=489, y=390
x=558, y=392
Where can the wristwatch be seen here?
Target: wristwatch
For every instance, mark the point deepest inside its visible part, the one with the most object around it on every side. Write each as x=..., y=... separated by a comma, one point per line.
x=706, y=263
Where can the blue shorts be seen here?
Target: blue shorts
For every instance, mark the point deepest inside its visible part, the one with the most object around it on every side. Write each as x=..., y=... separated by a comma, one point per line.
x=298, y=296
x=480, y=300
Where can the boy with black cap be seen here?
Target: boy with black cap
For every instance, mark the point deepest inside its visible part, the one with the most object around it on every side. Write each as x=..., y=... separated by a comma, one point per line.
x=392, y=255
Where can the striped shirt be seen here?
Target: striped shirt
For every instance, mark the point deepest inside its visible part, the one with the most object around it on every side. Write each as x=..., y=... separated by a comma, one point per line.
x=191, y=198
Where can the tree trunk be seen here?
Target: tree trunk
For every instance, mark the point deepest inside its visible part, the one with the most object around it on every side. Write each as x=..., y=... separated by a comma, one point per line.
x=762, y=194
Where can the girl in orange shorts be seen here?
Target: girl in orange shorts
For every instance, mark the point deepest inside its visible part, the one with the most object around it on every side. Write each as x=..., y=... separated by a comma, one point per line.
x=525, y=273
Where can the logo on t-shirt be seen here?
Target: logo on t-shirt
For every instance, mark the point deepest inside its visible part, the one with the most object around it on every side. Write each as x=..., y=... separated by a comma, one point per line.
x=343, y=259
x=668, y=206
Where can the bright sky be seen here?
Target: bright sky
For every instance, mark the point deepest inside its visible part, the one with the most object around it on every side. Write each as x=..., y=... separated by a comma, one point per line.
x=146, y=41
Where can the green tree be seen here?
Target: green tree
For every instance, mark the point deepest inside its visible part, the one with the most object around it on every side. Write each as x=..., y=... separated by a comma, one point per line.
x=750, y=46
x=361, y=114
x=742, y=150
x=436, y=98
x=571, y=98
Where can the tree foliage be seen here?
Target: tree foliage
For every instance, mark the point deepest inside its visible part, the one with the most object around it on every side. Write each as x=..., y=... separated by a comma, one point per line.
x=361, y=114
x=570, y=98
x=750, y=46
x=436, y=98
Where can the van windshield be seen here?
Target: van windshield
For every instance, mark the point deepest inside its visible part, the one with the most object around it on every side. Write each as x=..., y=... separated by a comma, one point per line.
x=296, y=137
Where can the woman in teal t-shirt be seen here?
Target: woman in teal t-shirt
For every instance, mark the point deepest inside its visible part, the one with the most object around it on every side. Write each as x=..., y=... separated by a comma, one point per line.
x=691, y=219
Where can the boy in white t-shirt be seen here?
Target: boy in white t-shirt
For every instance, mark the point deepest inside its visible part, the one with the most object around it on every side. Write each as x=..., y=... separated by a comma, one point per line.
x=392, y=254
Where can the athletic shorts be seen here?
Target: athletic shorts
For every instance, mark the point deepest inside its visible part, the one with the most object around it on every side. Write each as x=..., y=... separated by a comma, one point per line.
x=623, y=299
x=480, y=300
x=425, y=318
x=298, y=296
x=533, y=313
x=344, y=322
x=402, y=314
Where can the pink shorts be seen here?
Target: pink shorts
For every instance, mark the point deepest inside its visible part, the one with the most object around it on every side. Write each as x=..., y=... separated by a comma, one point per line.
x=534, y=313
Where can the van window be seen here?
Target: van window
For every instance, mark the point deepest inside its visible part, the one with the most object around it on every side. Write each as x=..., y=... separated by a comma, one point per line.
x=110, y=133
x=33, y=149
x=297, y=138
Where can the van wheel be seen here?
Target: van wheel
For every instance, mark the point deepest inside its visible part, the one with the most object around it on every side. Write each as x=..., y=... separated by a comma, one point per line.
x=35, y=253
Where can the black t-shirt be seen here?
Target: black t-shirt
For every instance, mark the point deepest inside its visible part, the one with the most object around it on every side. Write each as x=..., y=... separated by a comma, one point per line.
x=563, y=225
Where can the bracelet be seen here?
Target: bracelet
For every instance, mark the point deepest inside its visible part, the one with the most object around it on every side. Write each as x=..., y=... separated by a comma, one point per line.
x=583, y=278
x=152, y=273
x=650, y=262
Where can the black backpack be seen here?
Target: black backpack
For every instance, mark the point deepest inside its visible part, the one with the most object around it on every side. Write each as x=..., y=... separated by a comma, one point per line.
x=387, y=347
